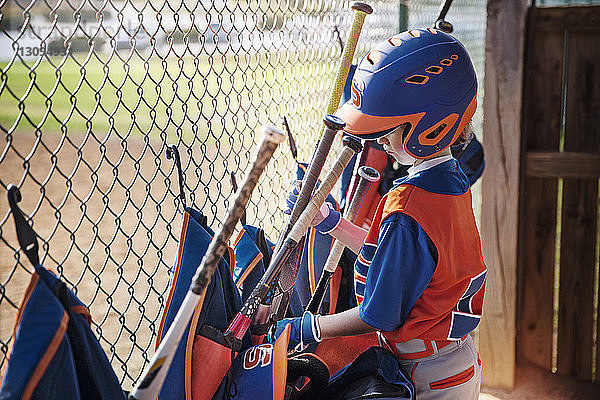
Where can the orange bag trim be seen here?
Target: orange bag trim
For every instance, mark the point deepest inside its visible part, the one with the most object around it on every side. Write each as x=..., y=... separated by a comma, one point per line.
x=46, y=358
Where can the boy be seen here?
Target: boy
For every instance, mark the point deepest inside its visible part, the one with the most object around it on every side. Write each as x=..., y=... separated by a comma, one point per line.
x=419, y=275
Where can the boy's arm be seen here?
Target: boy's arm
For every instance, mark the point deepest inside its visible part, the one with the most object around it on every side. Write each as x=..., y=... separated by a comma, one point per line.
x=347, y=323
x=352, y=236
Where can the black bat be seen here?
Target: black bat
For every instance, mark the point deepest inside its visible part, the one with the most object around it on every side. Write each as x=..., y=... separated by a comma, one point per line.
x=241, y=322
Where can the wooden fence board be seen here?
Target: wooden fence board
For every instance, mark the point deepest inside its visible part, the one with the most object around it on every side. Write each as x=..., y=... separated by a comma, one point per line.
x=538, y=199
x=577, y=256
x=565, y=164
x=559, y=19
x=580, y=207
x=537, y=276
x=500, y=188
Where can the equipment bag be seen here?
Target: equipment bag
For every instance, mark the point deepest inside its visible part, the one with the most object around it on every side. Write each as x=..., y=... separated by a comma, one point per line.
x=374, y=374
x=203, y=357
x=55, y=354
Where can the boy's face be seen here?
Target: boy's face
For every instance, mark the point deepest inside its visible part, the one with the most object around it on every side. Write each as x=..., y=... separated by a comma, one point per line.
x=393, y=145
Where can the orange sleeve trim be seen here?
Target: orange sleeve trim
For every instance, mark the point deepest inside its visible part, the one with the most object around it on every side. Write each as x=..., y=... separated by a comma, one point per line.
x=186, y=218
x=453, y=380
x=249, y=269
x=46, y=358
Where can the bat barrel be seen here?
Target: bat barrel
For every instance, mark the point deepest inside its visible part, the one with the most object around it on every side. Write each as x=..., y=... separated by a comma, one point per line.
x=361, y=10
x=151, y=382
x=271, y=138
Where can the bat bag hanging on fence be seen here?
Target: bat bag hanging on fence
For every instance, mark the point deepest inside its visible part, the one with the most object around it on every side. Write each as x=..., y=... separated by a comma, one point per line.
x=204, y=367
x=55, y=354
x=202, y=357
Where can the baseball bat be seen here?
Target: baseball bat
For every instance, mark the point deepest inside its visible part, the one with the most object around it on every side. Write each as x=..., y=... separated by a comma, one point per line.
x=241, y=322
x=234, y=185
x=441, y=23
x=319, y=155
x=149, y=386
x=368, y=175
x=324, y=144
x=291, y=140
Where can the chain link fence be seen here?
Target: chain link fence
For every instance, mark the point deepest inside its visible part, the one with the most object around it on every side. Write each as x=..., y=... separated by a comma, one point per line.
x=93, y=92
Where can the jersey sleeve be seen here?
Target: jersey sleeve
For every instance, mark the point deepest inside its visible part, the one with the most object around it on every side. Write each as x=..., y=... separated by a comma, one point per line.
x=401, y=268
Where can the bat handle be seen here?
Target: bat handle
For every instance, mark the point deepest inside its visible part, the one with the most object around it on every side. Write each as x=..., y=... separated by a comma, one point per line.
x=333, y=125
x=351, y=147
x=361, y=11
x=368, y=176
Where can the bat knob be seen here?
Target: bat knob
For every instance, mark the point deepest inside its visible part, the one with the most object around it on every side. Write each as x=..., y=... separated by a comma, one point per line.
x=444, y=26
x=334, y=123
x=353, y=143
x=364, y=7
x=369, y=173
x=272, y=134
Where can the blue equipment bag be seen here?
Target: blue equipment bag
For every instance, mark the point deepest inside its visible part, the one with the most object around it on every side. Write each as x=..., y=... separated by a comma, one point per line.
x=55, y=354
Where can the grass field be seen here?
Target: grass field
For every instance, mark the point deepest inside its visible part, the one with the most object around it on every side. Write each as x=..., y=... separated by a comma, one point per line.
x=177, y=97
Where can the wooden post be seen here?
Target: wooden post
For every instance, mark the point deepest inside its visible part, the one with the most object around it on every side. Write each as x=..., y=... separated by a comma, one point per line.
x=500, y=187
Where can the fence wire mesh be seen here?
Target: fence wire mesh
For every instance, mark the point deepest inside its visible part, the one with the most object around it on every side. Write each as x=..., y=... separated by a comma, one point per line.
x=93, y=92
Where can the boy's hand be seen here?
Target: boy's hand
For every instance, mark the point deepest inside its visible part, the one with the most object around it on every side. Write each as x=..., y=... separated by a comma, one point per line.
x=304, y=331
x=326, y=219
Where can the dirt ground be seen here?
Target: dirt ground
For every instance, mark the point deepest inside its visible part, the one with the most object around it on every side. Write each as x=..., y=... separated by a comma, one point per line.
x=110, y=269
x=109, y=222
x=533, y=383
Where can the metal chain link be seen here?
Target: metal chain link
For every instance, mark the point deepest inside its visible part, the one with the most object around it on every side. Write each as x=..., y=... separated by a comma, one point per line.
x=93, y=92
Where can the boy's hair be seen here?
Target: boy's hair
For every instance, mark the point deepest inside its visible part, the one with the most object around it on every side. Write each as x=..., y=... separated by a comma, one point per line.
x=465, y=135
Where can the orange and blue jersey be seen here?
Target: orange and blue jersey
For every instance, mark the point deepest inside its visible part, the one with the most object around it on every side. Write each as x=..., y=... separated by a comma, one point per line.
x=420, y=272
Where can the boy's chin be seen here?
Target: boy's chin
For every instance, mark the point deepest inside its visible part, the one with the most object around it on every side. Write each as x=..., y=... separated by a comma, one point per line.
x=404, y=159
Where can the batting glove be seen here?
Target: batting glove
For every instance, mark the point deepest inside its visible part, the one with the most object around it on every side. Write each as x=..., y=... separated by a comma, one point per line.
x=304, y=331
x=326, y=220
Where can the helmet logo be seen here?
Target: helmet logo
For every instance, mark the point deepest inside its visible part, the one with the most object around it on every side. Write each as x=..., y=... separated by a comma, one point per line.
x=357, y=89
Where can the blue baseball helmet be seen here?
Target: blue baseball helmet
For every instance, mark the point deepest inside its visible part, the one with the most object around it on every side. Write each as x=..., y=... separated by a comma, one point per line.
x=423, y=77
